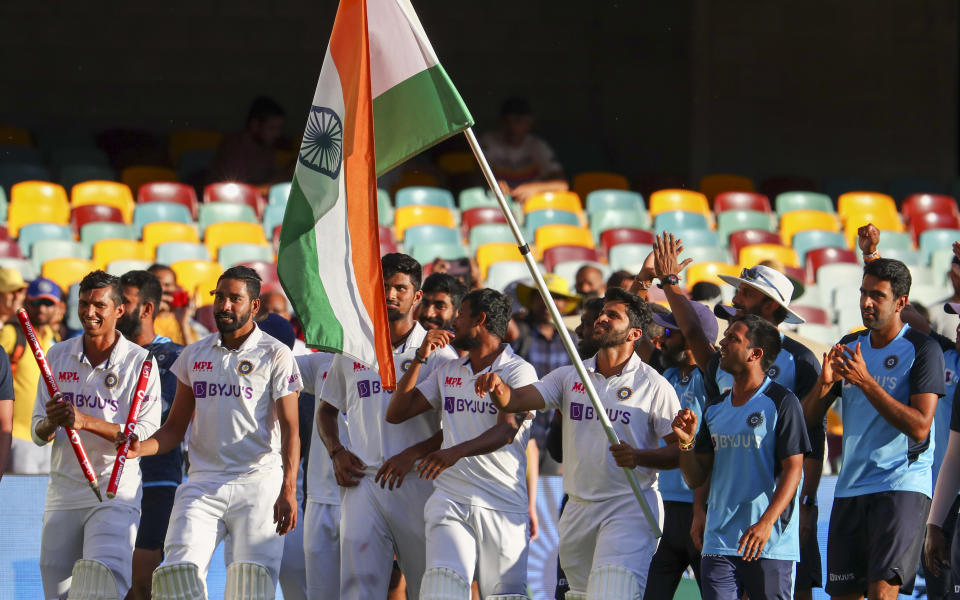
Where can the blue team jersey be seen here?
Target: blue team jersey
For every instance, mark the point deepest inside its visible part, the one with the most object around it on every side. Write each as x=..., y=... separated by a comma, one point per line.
x=943, y=416
x=748, y=444
x=877, y=457
x=167, y=468
x=692, y=392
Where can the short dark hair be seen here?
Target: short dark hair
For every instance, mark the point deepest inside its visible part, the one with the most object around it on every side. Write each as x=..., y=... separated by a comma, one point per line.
x=593, y=305
x=263, y=108
x=147, y=284
x=495, y=305
x=443, y=283
x=160, y=267
x=245, y=274
x=894, y=271
x=654, y=329
x=396, y=262
x=618, y=277
x=761, y=334
x=638, y=311
x=96, y=280
x=704, y=290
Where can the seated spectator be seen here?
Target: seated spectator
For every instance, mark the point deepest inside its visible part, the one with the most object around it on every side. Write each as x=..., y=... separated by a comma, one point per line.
x=274, y=302
x=250, y=156
x=621, y=279
x=13, y=289
x=589, y=283
x=174, y=318
x=538, y=342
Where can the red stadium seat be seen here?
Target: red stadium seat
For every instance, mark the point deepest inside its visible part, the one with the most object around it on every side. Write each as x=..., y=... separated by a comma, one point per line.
x=164, y=191
x=94, y=213
x=740, y=201
x=267, y=272
x=917, y=204
x=933, y=220
x=479, y=216
x=824, y=256
x=749, y=237
x=388, y=245
x=624, y=235
x=232, y=191
x=204, y=316
x=4, y=234
x=9, y=249
x=811, y=314
x=558, y=254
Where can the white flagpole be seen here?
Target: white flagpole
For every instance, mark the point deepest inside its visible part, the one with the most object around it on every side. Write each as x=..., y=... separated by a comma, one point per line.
x=558, y=323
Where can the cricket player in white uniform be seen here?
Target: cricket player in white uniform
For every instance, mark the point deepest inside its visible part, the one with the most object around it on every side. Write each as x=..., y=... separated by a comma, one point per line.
x=381, y=514
x=97, y=374
x=605, y=541
x=238, y=393
x=477, y=517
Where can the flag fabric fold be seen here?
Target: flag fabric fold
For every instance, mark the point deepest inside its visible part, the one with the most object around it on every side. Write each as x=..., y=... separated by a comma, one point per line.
x=382, y=97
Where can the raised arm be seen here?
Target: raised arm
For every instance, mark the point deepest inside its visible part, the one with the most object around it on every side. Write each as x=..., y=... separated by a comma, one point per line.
x=821, y=395
x=407, y=401
x=522, y=399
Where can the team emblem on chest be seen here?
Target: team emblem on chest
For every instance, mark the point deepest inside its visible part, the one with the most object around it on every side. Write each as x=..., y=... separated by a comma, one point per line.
x=891, y=361
x=245, y=367
x=405, y=365
x=111, y=380
x=624, y=393
x=755, y=419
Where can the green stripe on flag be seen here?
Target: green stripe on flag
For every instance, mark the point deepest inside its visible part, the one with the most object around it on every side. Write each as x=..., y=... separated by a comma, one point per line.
x=298, y=269
x=416, y=114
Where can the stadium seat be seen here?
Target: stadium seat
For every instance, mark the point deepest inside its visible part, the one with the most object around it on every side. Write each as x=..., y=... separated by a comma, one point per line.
x=819, y=257
x=490, y=232
x=740, y=239
x=124, y=265
x=706, y=253
x=567, y=201
x=410, y=216
x=933, y=220
x=941, y=262
x=385, y=212
x=663, y=201
x=474, y=197
x=558, y=254
x=171, y=252
x=804, y=241
x=430, y=234
x=852, y=203
x=162, y=232
x=183, y=140
x=679, y=219
x=230, y=232
x=4, y=234
x=266, y=270
x=893, y=240
x=106, y=251
x=935, y=239
x=67, y=271
x=427, y=252
x=23, y=265
x=825, y=333
x=494, y=252
x=91, y=233
x=191, y=273
x=757, y=253
x=606, y=199
x=788, y=201
x=39, y=192
x=549, y=236
x=541, y=218
x=919, y=204
x=426, y=196
x=229, y=255
x=737, y=220
x=4, y=205
x=614, y=218
x=503, y=273
x=884, y=221
x=710, y=272
x=11, y=249
x=110, y=193
x=740, y=201
x=717, y=183
x=71, y=175
x=628, y=235
x=568, y=270
x=457, y=163
x=94, y=213
x=177, y=193
x=155, y=212
x=775, y=185
x=14, y=173
x=234, y=192
x=795, y=221
x=220, y=212
x=907, y=256
x=137, y=175
x=36, y=202
x=698, y=237
x=273, y=217
x=901, y=188
x=628, y=255
x=280, y=192
x=480, y=215
x=11, y=135
x=585, y=183
x=33, y=232
x=811, y=314
x=44, y=250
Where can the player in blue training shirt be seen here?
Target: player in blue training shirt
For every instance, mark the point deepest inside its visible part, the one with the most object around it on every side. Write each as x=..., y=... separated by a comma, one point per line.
x=751, y=445
x=889, y=378
x=164, y=472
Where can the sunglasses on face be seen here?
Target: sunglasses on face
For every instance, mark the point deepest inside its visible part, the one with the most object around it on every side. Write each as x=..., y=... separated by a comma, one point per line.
x=754, y=274
x=42, y=302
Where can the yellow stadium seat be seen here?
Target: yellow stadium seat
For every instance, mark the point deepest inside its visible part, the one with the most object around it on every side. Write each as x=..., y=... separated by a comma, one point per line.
x=417, y=214
x=795, y=221
x=203, y=295
x=667, y=200
x=584, y=183
x=106, y=251
x=884, y=220
x=138, y=175
x=161, y=232
x=229, y=232
x=109, y=193
x=37, y=202
x=853, y=203
x=757, y=253
x=556, y=200
x=193, y=273
x=67, y=271
x=14, y=135
x=709, y=271
x=487, y=254
x=717, y=183
x=192, y=139
x=549, y=236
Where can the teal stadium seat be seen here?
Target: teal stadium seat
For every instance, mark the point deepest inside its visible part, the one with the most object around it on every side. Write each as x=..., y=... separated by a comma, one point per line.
x=615, y=218
x=91, y=233
x=23, y=265
x=788, y=201
x=936, y=239
x=479, y=196
x=489, y=232
x=426, y=234
x=426, y=253
x=804, y=241
x=272, y=217
x=907, y=256
x=895, y=240
x=4, y=205
x=738, y=220
x=549, y=216
x=384, y=208
x=45, y=249
x=632, y=255
x=699, y=237
x=676, y=220
x=423, y=195
x=279, y=193
x=229, y=255
x=171, y=252
x=218, y=212
x=34, y=232
x=502, y=274
x=598, y=200
x=706, y=254
x=152, y=212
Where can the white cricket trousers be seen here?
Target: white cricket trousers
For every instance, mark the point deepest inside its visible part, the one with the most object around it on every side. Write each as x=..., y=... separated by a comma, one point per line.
x=206, y=510
x=608, y=532
x=105, y=532
x=469, y=539
x=321, y=550
x=375, y=524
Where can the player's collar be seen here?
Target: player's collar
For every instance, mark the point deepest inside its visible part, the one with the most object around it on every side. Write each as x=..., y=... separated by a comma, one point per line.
x=634, y=363
x=414, y=338
x=252, y=340
x=119, y=352
x=506, y=353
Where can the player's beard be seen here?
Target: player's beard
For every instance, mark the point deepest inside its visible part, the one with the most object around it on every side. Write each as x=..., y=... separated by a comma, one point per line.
x=230, y=322
x=429, y=323
x=587, y=347
x=611, y=338
x=674, y=359
x=465, y=342
x=129, y=324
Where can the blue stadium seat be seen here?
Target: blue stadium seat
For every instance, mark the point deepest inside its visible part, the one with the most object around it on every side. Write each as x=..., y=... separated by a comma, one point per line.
x=675, y=220
x=45, y=249
x=34, y=232
x=219, y=212
x=272, y=217
x=91, y=233
x=614, y=218
x=279, y=192
x=632, y=255
x=152, y=212
x=229, y=255
x=549, y=216
x=598, y=200
x=936, y=239
x=427, y=252
x=425, y=234
x=429, y=196
x=804, y=241
x=171, y=252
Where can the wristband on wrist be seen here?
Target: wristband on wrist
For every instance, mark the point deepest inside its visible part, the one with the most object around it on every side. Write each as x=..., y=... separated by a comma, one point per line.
x=688, y=446
x=871, y=255
x=418, y=358
x=670, y=279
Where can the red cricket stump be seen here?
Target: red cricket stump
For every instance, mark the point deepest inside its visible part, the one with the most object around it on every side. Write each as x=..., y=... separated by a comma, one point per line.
x=54, y=390
x=131, y=424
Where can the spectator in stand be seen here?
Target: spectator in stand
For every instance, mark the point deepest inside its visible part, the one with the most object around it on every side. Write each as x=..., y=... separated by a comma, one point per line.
x=250, y=156
x=940, y=321
x=523, y=163
x=43, y=301
x=539, y=342
x=174, y=318
x=705, y=292
x=13, y=289
x=274, y=302
x=621, y=279
x=589, y=282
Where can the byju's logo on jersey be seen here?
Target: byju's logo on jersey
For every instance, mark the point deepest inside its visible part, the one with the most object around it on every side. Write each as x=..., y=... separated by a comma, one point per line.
x=773, y=372
x=111, y=380
x=581, y=412
x=201, y=365
x=891, y=361
x=245, y=367
x=366, y=387
x=203, y=389
x=199, y=389
x=755, y=420
x=448, y=402
x=624, y=393
x=576, y=410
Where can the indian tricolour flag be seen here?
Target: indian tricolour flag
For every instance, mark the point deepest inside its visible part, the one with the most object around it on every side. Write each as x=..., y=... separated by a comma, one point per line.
x=382, y=97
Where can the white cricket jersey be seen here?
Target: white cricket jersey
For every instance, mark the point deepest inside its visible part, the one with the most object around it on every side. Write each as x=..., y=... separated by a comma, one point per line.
x=496, y=480
x=235, y=431
x=104, y=392
x=641, y=405
x=321, y=482
x=354, y=389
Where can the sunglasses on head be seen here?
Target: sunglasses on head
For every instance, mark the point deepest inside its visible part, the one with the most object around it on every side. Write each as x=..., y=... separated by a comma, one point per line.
x=754, y=274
